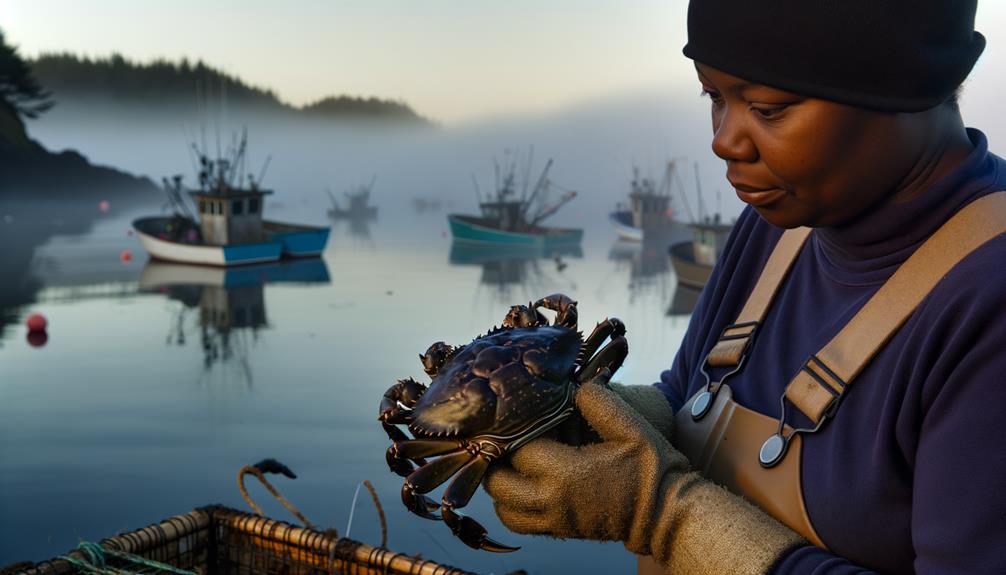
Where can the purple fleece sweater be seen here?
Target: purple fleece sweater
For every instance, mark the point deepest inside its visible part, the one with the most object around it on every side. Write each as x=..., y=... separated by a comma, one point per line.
x=910, y=476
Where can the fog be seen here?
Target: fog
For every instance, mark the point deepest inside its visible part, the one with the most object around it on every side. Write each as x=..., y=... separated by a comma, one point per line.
x=594, y=146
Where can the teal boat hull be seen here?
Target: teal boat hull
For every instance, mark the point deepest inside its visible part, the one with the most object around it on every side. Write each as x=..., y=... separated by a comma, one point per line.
x=474, y=230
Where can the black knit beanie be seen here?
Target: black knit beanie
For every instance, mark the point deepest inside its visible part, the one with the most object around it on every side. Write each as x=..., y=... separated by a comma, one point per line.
x=889, y=55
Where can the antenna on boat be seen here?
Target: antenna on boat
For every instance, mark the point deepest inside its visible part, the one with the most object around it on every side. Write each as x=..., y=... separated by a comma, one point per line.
x=265, y=167
x=684, y=196
x=698, y=191
x=542, y=184
x=527, y=174
x=496, y=168
x=549, y=210
x=478, y=192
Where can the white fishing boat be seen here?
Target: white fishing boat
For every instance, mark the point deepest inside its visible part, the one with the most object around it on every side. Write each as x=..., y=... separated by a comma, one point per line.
x=229, y=229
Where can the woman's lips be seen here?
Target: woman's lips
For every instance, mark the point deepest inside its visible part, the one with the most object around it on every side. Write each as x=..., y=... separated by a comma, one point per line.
x=759, y=198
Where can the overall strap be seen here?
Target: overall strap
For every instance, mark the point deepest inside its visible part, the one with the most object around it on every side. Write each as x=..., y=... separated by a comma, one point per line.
x=735, y=341
x=825, y=377
x=736, y=338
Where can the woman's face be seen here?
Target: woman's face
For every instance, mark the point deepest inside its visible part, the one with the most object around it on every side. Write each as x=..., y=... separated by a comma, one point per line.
x=803, y=161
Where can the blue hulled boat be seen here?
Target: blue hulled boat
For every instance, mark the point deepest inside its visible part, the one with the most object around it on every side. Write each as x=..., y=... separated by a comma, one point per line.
x=229, y=229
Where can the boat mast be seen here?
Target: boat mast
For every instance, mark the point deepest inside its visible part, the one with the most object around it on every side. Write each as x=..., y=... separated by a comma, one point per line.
x=478, y=191
x=698, y=190
x=542, y=182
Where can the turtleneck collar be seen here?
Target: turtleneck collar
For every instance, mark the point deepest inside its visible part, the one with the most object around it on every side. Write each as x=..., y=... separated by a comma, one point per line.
x=870, y=248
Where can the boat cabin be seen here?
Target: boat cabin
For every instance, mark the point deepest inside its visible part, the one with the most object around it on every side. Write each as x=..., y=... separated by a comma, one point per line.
x=230, y=216
x=649, y=209
x=708, y=240
x=506, y=216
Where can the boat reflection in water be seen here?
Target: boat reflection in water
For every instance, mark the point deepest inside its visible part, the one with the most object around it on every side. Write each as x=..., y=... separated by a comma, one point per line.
x=230, y=304
x=684, y=301
x=650, y=276
x=517, y=272
x=648, y=266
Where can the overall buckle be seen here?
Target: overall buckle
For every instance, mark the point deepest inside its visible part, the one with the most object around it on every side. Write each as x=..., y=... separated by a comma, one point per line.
x=729, y=350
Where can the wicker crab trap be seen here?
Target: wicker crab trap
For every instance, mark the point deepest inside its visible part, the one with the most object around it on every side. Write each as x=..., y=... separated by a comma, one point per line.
x=218, y=540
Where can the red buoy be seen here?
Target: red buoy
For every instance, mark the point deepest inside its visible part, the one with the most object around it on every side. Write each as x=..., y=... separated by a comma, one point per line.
x=126, y=256
x=103, y=205
x=37, y=338
x=36, y=322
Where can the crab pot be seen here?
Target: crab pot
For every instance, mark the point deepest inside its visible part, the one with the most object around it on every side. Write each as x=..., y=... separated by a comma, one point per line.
x=218, y=540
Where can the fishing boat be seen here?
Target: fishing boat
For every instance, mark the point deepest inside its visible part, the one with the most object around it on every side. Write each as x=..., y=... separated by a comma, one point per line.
x=509, y=219
x=229, y=229
x=649, y=211
x=357, y=206
x=694, y=260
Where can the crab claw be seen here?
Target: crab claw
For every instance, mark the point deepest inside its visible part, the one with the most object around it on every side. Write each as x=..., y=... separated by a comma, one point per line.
x=524, y=316
x=471, y=532
x=563, y=306
x=405, y=392
x=421, y=505
x=435, y=357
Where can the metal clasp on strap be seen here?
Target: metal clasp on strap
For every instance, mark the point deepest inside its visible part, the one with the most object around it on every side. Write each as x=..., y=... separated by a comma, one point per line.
x=731, y=348
x=826, y=397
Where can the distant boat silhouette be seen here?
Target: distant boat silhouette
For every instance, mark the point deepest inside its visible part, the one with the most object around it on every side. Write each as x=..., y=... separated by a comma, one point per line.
x=511, y=220
x=357, y=204
x=649, y=212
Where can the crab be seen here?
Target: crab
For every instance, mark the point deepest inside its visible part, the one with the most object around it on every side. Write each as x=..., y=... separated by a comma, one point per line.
x=487, y=399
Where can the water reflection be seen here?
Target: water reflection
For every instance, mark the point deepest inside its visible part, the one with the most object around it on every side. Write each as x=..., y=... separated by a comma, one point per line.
x=37, y=232
x=225, y=307
x=647, y=264
x=650, y=275
x=356, y=229
x=516, y=273
x=684, y=301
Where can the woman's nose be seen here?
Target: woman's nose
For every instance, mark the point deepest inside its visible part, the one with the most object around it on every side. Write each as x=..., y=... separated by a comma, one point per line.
x=731, y=140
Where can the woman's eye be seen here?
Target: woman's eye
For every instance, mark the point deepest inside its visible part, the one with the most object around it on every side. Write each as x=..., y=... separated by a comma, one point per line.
x=769, y=112
x=711, y=94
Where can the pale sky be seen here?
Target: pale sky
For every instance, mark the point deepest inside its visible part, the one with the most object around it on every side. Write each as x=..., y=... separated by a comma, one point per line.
x=452, y=60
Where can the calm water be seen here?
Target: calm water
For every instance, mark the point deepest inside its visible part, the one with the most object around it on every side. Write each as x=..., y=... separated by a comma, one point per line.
x=158, y=382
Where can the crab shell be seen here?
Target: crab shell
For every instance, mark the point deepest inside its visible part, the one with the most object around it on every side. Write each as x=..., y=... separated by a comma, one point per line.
x=501, y=384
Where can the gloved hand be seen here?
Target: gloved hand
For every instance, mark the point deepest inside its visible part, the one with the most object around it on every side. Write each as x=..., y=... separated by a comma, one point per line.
x=651, y=403
x=633, y=487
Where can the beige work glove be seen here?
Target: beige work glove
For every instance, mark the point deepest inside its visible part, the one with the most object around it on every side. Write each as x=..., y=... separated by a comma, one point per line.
x=651, y=403
x=633, y=487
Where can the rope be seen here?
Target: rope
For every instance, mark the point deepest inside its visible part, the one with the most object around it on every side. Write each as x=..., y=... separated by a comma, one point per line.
x=94, y=561
x=380, y=512
x=252, y=470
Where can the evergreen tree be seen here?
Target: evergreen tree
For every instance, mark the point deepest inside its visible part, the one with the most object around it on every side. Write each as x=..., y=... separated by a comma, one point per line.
x=18, y=87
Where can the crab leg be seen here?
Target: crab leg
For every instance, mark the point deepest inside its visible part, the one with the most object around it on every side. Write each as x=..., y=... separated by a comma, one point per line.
x=611, y=326
x=421, y=505
x=416, y=448
x=611, y=356
x=458, y=494
x=399, y=465
x=427, y=478
x=433, y=474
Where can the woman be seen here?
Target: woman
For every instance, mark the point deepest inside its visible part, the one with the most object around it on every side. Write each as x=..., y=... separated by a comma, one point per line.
x=859, y=408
